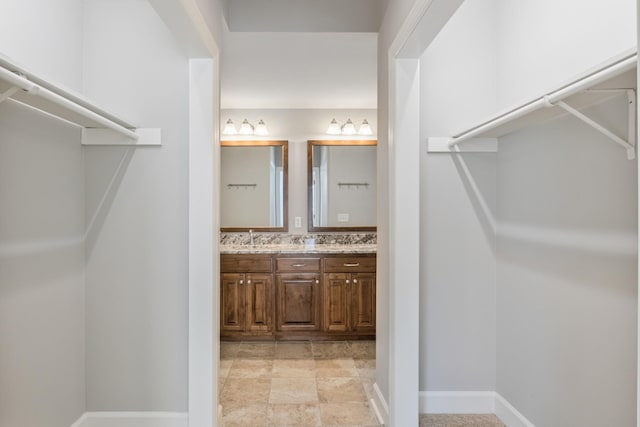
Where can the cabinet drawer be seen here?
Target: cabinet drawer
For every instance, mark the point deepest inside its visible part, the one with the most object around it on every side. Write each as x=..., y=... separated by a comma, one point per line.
x=297, y=264
x=349, y=264
x=245, y=263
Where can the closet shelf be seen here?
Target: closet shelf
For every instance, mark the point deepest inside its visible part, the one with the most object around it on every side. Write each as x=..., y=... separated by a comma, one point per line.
x=99, y=126
x=612, y=79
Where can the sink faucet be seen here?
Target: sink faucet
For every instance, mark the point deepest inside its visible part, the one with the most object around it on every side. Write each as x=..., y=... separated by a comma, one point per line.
x=251, y=236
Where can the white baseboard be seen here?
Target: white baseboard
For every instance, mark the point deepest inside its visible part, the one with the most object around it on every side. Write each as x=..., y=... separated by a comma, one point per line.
x=472, y=402
x=133, y=419
x=457, y=402
x=509, y=415
x=380, y=405
x=81, y=422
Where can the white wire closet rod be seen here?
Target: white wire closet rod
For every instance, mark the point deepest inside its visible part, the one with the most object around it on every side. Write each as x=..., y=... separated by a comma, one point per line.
x=36, y=90
x=98, y=125
x=555, y=99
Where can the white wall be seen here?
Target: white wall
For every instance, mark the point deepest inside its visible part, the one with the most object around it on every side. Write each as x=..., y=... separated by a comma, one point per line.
x=567, y=273
x=299, y=70
x=458, y=204
x=42, y=365
x=566, y=238
x=543, y=43
x=566, y=210
x=45, y=37
x=136, y=272
x=297, y=126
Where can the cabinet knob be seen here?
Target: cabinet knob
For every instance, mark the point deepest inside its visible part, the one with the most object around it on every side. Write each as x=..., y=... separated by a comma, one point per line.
x=242, y=282
x=317, y=281
x=248, y=282
x=347, y=281
x=355, y=280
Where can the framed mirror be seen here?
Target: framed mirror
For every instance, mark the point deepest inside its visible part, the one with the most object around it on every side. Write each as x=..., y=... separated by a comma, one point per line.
x=341, y=181
x=253, y=193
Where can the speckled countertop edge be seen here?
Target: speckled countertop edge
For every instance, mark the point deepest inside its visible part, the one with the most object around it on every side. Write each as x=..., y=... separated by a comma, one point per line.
x=298, y=249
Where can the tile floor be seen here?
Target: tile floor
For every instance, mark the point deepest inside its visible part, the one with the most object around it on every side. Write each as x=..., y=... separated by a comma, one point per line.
x=297, y=384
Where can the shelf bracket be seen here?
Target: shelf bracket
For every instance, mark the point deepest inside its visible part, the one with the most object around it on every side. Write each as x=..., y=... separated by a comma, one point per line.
x=8, y=93
x=628, y=144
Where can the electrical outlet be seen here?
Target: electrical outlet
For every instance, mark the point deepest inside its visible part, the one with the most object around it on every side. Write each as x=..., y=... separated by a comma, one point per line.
x=298, y=222
x=343, y=217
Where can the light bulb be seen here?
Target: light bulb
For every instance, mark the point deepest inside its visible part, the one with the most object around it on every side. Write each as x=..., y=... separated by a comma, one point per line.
x=334, y=128
x=229, y=128
x=365, y=128
x=348, y=128
x=261, y=129
x=246, y=128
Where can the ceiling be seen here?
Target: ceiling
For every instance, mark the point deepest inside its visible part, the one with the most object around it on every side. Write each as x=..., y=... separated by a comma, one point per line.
x=305, y=15
x=300, y=54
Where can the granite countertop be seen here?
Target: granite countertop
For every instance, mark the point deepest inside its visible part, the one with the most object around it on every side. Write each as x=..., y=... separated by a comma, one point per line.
x=298, y=249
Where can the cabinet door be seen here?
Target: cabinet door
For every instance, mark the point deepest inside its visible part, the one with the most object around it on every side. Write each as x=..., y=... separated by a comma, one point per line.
x=363, y=302
x=259, y=294
x=297, y=299
x=336, y=302
x=232, y=302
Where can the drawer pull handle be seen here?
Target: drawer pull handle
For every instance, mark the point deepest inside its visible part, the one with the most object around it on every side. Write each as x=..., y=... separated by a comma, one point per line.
x=354, y=264
x=299, y=265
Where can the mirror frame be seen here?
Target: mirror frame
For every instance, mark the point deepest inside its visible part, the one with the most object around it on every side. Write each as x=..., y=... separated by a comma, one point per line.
x=285, y=182
x=310, y=145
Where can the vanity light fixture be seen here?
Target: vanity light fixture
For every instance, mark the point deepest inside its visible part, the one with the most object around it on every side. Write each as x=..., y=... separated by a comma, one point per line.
x=334, y=128
x=245, y=128
x=261, y=129
x=365, y=129
x=349, y=129
x=230, y=128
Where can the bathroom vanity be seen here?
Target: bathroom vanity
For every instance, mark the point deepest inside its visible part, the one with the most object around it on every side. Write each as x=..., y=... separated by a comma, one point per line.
x=322, y=295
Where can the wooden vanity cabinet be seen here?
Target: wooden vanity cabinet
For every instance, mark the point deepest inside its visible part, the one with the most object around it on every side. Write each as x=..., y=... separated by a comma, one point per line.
x=246, y=296
x=349, y=288
x=307, y=296
x=297, y=294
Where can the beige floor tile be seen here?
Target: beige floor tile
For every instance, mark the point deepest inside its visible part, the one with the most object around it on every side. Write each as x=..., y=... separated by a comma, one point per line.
x=246, y=416
x=366, y=368
x=336, y=368
x=256, y=350
x=225, y=366
x=229, y=350
x=330, y=349
x=362, y=349
x=293, y=350
x=294, y=368
x=293, y=415
x=251, y=368
x=293, y=390
x=337, y=390
x=239, y=392
x=347, y=414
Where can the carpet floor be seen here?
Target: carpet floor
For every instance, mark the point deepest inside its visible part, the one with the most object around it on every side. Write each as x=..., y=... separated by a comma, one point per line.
x=456, y=420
